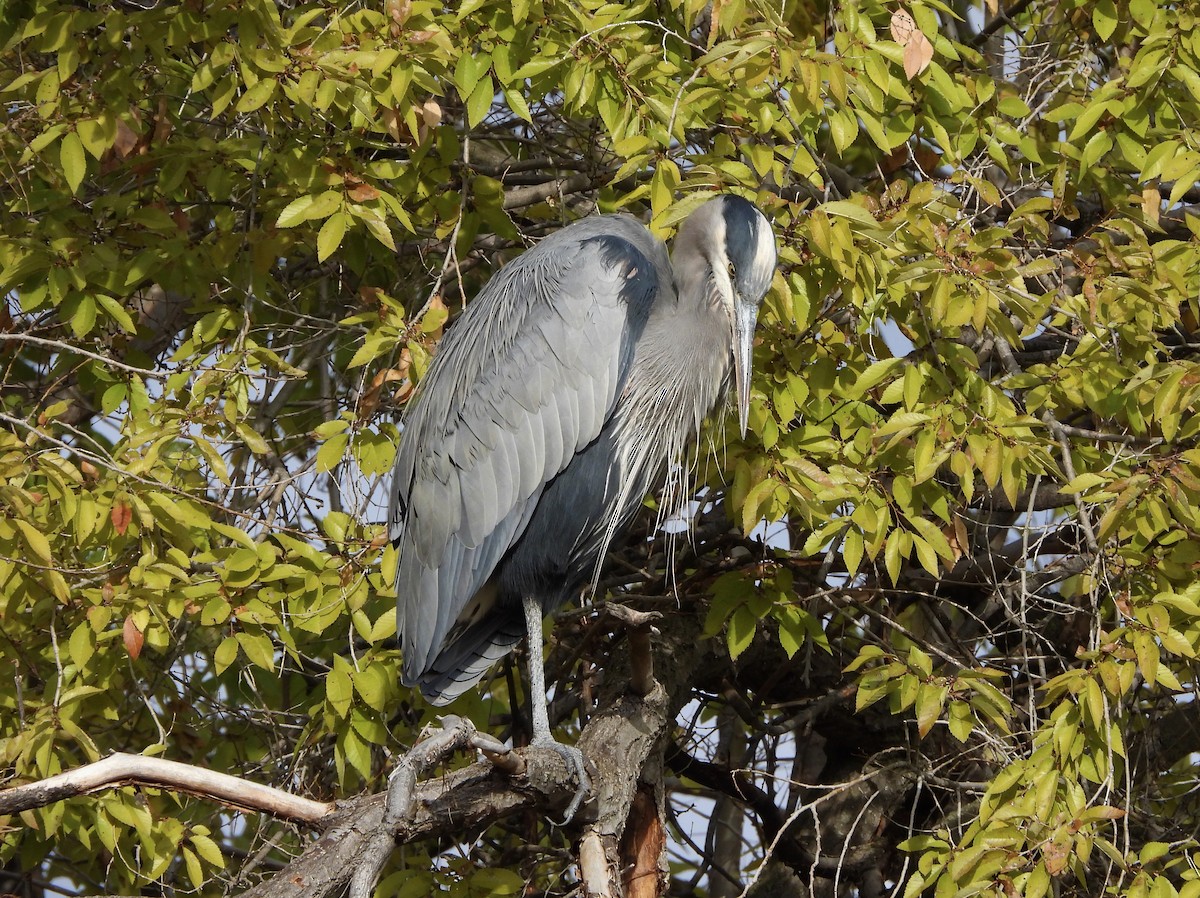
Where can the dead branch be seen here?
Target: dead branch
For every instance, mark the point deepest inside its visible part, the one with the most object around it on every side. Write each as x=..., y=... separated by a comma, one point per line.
x=136, y=770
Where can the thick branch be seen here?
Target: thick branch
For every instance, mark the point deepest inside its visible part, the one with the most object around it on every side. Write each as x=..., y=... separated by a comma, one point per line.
x=125, y=769
x=447, y=805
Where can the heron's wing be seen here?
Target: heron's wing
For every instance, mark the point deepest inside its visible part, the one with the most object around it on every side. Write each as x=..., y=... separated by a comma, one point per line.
x=525, y=379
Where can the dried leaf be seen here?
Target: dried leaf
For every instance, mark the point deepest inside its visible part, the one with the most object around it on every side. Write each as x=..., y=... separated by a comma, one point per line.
x=132, y=637
x=902, y=27
x=431, y=117
x=370, y=400
x=392, y=121
x=126, y=140
x=361, y=193
x=1055, y=855
x=918, y=52
x=399, y=10
x=162, y=122
x=1151, y=202
x=121, y=515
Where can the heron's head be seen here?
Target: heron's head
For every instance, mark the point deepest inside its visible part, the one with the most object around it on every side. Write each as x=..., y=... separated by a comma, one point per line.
x=736, y=240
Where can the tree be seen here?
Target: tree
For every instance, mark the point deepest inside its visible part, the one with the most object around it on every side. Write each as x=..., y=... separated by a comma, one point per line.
x=933, y=628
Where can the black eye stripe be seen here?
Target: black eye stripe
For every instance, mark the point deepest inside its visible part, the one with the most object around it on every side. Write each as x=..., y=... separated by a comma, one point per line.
x=741, y=225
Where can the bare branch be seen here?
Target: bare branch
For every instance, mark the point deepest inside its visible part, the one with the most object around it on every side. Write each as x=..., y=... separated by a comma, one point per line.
x=125, y=769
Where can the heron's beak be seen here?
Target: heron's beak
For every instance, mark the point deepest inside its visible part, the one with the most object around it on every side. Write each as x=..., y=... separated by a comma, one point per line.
x=745, y=316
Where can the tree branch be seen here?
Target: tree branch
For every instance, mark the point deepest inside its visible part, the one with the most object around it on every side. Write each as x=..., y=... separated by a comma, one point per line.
x=124, y=769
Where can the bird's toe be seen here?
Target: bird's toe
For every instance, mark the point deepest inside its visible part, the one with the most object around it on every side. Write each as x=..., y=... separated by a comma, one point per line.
x=578, y=765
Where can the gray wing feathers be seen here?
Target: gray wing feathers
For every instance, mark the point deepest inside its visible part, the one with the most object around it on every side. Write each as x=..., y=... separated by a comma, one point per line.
x=525, y=379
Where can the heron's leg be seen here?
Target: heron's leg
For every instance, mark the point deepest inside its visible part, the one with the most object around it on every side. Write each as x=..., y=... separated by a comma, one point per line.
x=542, y=736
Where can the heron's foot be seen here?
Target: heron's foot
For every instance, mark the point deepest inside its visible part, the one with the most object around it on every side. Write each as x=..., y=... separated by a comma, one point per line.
x=575, y=762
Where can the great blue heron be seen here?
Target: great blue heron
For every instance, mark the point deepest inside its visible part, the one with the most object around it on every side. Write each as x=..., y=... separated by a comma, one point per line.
x=554, y=404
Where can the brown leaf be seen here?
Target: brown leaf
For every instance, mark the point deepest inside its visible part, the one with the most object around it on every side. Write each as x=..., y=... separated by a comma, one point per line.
x=370, y=400
x=87, y=469
x=431, y=113
x=918, y=52
x=162, y=122
x=126, y=139
x=1122, y=603
x=430, y=116
x=392, y=121
x=132, y=637
x=959, y=539
x=361, y=193
x=399, y=10
x=902, y=27
x=121, y=515
x=1151, y=201
x=1056, y=854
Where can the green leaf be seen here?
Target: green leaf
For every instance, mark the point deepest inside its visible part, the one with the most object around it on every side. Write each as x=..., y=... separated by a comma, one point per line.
x=852, y=550
x=258, y=649
x=72, y=159
x=331, y=234
x=225, y=654
x=930, y=697
x=294, y=212
x=332, y=451
x=83, y=319
x=339, y=688
x=194, y=870
x=1104, y=17
x=516, y=102
x=1142, y=11
x=743, y=624
x=256, y=96
x=82, y=645
x=207, y=849
x=372, y=684
x=468, y=71
x=480, y=101
x=495, y=881
x=876, y=373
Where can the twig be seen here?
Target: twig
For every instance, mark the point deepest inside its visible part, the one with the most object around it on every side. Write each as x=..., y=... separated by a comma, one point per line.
x=998, y=21
x=60, y=346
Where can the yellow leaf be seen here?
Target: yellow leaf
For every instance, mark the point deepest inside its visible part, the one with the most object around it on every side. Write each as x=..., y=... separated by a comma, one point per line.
x=36, y=540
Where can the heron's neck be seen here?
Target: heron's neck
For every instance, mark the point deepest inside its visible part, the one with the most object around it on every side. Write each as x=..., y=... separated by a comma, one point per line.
x=692, y=274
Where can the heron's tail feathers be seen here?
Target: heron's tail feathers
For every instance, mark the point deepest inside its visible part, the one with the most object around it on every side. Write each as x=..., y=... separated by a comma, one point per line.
x=467, y=656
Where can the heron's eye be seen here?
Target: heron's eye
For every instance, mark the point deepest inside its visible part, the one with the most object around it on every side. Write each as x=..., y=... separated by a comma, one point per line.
x=729, y=265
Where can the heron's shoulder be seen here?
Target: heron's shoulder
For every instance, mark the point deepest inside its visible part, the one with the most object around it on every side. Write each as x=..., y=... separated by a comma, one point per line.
x=619, y=232
x=614, y=253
